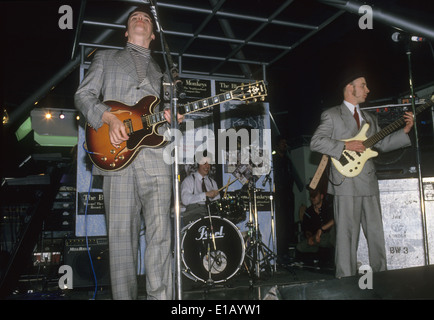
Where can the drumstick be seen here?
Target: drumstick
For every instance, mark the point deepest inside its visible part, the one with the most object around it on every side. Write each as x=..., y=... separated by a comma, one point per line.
x=226, y=189
x=226, y=185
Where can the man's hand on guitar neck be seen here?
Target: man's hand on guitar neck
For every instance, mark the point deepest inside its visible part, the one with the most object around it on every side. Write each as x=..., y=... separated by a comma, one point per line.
x=409, y=121
x=357, y=145
x=168, y=116
x=117, y=130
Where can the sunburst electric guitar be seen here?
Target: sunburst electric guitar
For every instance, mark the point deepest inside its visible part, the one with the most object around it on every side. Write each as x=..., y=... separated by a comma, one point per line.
x=142, y=125
x=351, y=163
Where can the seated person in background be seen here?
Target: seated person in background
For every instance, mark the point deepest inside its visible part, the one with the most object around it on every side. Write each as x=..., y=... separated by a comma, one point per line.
x=198, y=190
x=317, y=225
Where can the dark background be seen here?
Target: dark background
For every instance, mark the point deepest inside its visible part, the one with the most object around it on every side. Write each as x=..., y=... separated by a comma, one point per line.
x=301, y=82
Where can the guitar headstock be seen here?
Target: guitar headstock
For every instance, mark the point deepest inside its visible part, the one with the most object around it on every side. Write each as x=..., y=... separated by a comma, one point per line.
x=250, y=92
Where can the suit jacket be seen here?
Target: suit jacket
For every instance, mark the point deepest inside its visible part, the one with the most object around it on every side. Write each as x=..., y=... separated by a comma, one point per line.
x=337, y=123
x=112, y=76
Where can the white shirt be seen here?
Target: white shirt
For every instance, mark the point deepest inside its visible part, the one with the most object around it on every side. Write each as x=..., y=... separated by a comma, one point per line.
x=351, y=107
x=191, y=189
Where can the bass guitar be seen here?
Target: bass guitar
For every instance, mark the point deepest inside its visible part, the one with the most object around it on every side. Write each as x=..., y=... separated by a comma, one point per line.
x=142, y=123
x=351, y=163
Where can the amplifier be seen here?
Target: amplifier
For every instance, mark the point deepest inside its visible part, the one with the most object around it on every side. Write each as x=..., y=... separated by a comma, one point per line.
x=77, y=257
x=402, y=163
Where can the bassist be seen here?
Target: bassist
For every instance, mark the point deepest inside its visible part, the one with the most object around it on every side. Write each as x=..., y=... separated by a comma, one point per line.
x=356, y=199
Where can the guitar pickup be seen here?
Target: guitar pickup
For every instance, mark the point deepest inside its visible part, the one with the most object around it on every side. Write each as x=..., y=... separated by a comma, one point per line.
x=343, y=161
x=349, y=155
x=128, y=125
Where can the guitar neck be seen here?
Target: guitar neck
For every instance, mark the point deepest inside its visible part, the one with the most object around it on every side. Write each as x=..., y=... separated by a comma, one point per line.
x=205, y=103
x=368, y=143
x=244, y=92
x=192, y=107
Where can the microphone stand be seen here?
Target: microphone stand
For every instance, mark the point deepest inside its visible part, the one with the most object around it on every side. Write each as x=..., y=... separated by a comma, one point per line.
x=422, y=200
x=273, y=218
x=176, y=91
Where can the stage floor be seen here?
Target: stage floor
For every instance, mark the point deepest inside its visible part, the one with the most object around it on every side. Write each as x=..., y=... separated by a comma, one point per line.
x=288, y=282
x=239, y=287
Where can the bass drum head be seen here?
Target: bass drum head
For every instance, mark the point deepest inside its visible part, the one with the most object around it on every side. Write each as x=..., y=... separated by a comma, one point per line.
x=215, y=258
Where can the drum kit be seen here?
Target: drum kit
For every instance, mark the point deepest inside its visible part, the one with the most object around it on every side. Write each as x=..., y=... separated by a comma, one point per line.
x=213, y=249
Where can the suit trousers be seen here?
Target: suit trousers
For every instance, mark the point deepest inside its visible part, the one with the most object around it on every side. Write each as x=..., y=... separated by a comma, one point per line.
x=351, y=212
x=128, y=198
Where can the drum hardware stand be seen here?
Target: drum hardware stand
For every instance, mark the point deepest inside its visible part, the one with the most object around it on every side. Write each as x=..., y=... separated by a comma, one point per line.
x=211, y=248
x=211, y=235
x=257, y=247
x=273, y=221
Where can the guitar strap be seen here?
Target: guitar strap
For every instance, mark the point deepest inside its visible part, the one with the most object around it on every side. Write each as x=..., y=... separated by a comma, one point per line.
x=318, y=178
x=319, y=172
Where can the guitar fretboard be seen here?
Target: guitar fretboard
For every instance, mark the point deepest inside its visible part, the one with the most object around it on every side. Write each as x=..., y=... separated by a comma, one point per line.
x=191, y=107
x=243, y=92
x=205, y=103
x=368, y=143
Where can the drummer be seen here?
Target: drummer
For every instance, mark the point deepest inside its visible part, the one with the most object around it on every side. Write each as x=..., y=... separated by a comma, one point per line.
x=198, y=190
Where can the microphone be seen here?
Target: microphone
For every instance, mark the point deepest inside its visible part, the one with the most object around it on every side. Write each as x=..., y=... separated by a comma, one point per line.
x=397, y=37
x=178, y=82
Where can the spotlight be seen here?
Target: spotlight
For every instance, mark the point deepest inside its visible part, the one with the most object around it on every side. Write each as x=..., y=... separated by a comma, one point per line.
x=5, y=116
x=62, y=115
x=48, y=115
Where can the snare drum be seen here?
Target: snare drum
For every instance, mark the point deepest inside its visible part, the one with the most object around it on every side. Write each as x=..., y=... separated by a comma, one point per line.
x=230, y=207
x=212, y=249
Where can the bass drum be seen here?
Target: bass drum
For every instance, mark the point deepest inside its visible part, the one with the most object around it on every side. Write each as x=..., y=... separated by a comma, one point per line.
x=212, y=249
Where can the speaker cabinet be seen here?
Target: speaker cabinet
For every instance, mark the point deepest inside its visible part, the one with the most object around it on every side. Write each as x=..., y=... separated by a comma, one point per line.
x=403, y=223
x=402, y=163
x=77, y=257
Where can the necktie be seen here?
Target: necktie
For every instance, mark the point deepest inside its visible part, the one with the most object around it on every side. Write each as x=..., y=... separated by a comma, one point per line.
x=203, y=185
x=356, y=116
x=204, y=189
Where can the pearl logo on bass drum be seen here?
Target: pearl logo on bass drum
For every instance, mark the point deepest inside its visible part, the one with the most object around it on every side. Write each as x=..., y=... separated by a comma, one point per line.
x=203, y=233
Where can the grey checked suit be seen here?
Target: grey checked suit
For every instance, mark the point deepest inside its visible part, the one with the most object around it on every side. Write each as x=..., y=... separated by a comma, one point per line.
x=142, y=189
x=356, y=200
